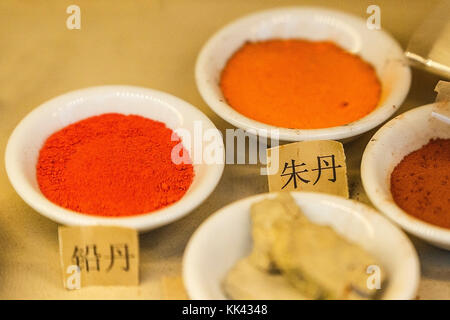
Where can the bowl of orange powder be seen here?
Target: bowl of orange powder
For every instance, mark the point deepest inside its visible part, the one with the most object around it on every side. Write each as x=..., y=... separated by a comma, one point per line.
x=405, y=171
x=310, y=73
x=112, y=155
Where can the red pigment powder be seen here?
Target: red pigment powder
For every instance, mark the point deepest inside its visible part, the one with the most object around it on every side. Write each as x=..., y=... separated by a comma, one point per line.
x=112, y=165
x=420, y=183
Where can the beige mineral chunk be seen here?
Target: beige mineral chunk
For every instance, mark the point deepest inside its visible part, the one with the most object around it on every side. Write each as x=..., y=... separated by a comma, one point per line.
x=314, y=258
x=247, y=282
x=264, y=215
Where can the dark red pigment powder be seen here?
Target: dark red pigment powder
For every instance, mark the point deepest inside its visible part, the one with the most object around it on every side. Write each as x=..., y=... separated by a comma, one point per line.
x=420, y=183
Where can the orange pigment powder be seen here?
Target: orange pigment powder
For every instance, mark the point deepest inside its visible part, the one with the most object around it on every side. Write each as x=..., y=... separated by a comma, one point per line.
x=300, y=84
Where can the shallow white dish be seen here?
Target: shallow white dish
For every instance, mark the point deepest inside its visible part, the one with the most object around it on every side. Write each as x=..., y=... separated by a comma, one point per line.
x=396, y=139
x=350, y=32
x=225, y=237
x=29, y=136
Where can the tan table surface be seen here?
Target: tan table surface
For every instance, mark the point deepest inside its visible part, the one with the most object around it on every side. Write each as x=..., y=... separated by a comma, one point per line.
x=151, y=44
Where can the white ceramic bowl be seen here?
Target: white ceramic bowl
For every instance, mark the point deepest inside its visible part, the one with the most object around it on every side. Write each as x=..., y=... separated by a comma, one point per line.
x=225, y=237
x=396, y=139
x=350, y=32
x=29, y=136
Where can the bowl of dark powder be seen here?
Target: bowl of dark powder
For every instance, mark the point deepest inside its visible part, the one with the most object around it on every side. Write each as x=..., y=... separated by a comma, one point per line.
x=406, y=173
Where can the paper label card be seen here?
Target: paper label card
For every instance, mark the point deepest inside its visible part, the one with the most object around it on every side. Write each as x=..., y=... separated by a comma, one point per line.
x=173, y=288
x=99, y=256
x=442, y=110
x=308, y=166
x=443, y=91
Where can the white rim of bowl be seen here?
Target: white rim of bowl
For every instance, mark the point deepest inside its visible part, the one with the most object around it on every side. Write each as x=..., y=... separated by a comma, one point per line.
x=409, y=293
x=141, y=222
x=225, y=111
x=415, y=226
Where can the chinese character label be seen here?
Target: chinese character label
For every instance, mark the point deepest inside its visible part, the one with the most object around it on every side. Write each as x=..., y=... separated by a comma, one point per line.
x=309, y=166
x=101, y=255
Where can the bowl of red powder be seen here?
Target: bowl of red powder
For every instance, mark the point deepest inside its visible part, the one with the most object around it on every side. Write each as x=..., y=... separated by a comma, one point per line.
x=405, y=171
x=112, y=155
x=310, y=73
